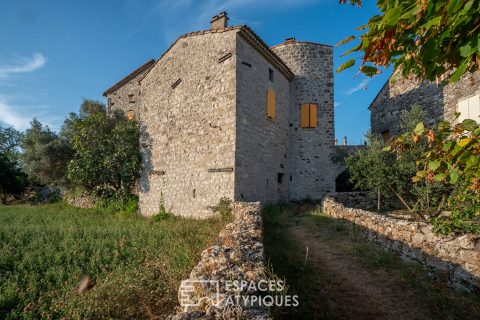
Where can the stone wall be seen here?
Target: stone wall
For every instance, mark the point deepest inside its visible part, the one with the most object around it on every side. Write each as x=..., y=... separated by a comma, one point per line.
x=188, y=126
x=439, y=101
x=261, y=143
x=311, y=173
x=457, y=256
x=239, y=255
x=126, y=94
x=364, y=200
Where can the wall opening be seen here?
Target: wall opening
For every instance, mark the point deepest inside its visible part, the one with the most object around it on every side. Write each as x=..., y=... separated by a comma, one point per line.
x=343, y=184
x=280, y=177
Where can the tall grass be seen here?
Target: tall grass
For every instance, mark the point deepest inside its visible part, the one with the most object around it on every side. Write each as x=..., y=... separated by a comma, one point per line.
x=135, y=263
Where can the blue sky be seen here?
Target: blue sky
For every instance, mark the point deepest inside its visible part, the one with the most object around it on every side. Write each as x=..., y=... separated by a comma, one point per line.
x=54, y=53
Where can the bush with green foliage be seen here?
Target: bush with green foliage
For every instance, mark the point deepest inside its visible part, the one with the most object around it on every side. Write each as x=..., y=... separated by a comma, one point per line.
x=121, y=205
x=12, y=179
x=388, y=174
x=162, y=213
x=452, y=160
x=106, y=151
x=224, y=209
x=45, y=155
x=10, y=141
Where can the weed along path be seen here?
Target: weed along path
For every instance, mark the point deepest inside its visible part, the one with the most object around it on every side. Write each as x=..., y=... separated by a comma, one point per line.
x=338, y=274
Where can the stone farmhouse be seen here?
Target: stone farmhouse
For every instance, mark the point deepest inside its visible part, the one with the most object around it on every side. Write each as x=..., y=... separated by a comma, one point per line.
x=223, y=114
x=438, y=100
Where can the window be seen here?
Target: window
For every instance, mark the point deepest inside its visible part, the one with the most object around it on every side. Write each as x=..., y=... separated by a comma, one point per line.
x=131, y=98
x=271, y=112
x=270, y=74
x=308, y=115
x=469, y=108
x=130, y=115
x=385, y=135
x=280, y=177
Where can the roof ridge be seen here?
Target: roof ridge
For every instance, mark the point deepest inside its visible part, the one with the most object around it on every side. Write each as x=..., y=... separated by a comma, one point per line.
x=254, y=40
x=129, y=77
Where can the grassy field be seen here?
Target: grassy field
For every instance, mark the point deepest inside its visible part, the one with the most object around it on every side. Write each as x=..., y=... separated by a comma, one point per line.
x=135, y=263
x=316, y=287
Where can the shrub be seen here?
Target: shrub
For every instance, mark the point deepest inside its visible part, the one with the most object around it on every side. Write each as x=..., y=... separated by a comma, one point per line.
x=125, y=205
x=224, y=209
x=452, y=160
x=378, y=169
x=162, y=213
x=106, y=151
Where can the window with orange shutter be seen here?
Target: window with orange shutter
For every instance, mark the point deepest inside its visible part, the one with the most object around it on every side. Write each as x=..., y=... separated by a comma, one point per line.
x=308, y=115
x=271, y=104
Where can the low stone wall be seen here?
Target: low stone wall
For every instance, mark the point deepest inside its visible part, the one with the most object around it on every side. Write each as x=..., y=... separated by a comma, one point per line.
x=364, y=200
x=83, y=201
x=457, y=256
x=239, y=255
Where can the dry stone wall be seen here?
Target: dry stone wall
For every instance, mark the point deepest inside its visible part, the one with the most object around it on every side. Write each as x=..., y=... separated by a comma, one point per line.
x=239, y=255
x=364, y=200
x=457, y=256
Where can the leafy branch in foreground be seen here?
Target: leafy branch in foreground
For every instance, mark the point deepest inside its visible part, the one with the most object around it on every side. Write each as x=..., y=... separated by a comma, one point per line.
x=430, y=39
x=452, y=158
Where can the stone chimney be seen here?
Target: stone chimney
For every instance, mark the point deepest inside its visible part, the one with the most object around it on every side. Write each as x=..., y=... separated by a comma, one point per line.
x=219, y=21
x=345, y=140
x=289, y=40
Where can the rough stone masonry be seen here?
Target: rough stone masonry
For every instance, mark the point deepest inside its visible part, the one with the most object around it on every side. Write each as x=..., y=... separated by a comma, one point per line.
x=224, y=115
x=456, y=256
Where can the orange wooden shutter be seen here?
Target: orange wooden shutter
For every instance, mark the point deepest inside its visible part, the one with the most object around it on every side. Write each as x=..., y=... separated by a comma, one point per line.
x=313, y=116
x=304, y=115
x=271, y=112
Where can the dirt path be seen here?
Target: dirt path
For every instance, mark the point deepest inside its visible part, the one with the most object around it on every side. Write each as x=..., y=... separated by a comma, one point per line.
x=356, y=291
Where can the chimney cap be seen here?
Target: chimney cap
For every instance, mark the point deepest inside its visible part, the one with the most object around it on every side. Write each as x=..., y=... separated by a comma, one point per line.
x=220, y=15
x=290, y=40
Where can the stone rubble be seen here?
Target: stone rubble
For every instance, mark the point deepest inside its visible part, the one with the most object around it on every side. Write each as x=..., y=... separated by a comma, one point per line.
x=457, y=256
x=239, y=255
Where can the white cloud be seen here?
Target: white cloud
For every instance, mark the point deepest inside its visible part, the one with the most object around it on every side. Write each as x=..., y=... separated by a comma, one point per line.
x=23, y=65
x=336, y=104
x=11, y=117
x=19, y=116
x=360, y=86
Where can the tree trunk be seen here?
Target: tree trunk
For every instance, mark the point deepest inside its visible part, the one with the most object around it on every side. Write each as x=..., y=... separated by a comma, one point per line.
x=378, y=200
